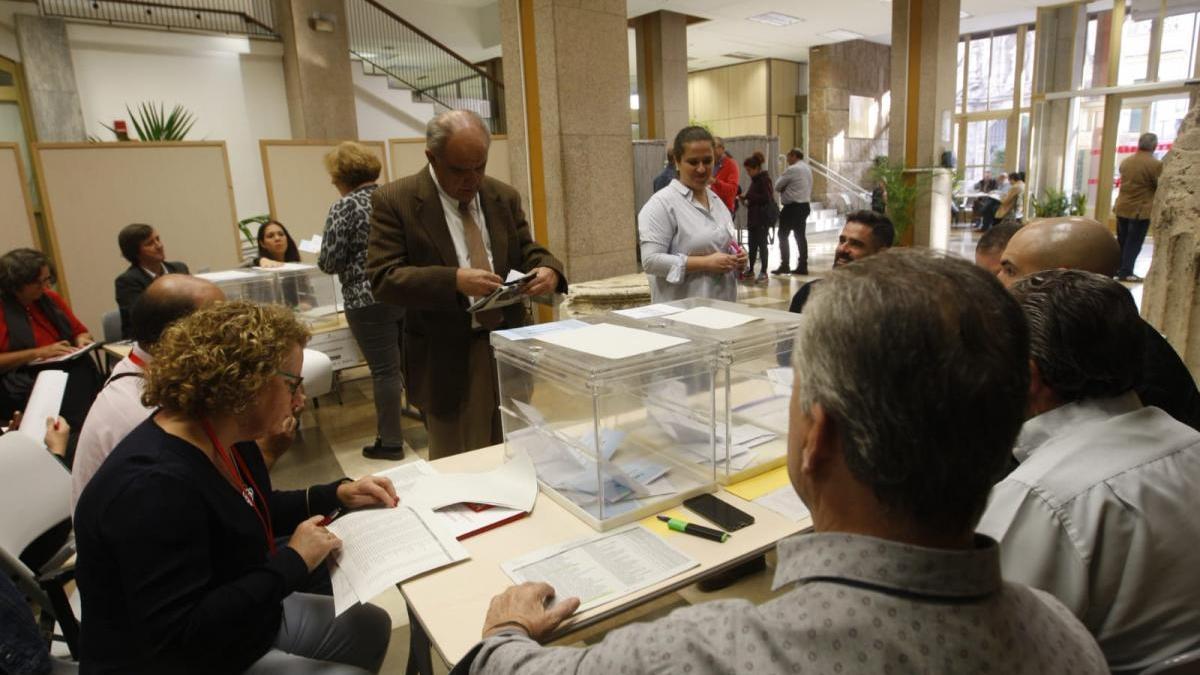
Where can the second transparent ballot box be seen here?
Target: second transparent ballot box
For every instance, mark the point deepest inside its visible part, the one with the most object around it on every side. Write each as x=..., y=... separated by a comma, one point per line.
x=311, y=293
x=754, y=375
x=618, y=421
x=245, y=284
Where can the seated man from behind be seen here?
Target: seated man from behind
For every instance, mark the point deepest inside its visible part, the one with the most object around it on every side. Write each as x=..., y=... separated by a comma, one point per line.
x=1100, y=511
x=895, y=578
x=118, y=407
x=1084, y=244
x=865, y=233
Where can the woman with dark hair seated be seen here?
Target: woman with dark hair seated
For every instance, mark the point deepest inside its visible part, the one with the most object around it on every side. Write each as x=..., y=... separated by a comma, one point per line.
x=276, y=248
x=36, y=324
x=143, y=248
x=179, y=568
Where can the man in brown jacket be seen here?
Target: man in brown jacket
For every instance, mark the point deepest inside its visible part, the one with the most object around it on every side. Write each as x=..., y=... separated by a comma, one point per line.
x=440, y=239
x=1139, y=180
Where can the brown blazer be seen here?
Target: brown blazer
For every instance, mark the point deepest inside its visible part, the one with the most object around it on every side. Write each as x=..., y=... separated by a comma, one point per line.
x=411, y=262
x=1139, y=180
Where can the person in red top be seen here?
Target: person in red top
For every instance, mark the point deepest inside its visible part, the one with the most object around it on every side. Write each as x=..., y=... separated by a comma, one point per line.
x=36, y=323
x=725, y=176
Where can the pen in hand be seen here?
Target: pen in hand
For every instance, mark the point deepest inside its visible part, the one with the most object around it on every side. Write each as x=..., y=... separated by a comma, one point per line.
x=694, y=530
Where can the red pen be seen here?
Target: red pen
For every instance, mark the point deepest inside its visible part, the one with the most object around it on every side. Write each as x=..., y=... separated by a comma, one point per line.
x=332, y=516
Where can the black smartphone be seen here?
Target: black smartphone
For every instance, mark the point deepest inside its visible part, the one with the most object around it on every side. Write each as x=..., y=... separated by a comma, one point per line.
x=720, y=512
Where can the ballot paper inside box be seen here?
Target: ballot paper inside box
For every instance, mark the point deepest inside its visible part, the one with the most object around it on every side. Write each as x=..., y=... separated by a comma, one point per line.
x=753, y=378
x=618, y=424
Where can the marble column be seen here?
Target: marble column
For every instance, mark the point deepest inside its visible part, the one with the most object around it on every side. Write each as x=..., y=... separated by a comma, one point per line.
x=316, y=69
x=50, y=78
x=567, y=92
x=924, y=67
x=1171, y=297
x=662, y=76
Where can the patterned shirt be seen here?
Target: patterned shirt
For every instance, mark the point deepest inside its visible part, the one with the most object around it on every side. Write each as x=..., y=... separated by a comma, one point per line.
x=344, y=245
x=859, y=605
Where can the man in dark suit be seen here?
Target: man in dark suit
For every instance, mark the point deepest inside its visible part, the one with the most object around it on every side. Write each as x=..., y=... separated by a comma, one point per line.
x=439, y=239
x=143, y=248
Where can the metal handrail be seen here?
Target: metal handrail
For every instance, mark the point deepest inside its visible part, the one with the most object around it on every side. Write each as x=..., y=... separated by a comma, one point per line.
x=100, y=10
x=429, y=38
x=838, y=179
x=401, y=80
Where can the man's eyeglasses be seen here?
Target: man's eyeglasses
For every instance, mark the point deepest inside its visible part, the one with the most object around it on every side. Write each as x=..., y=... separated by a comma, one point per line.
x=294, y=381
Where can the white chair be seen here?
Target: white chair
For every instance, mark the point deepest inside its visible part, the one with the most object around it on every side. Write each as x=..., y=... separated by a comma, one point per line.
x=318, y=374
x=34, y=484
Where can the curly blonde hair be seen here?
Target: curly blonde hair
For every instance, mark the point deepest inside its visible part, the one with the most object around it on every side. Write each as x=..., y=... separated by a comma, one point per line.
x=215, y=360
x=352, y=164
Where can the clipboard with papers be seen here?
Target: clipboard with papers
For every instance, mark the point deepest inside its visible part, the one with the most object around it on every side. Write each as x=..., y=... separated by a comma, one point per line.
x=507, y=293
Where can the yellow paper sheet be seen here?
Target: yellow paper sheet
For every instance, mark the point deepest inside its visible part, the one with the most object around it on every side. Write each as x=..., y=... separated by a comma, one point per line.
x=753, y=488
x=660, y=528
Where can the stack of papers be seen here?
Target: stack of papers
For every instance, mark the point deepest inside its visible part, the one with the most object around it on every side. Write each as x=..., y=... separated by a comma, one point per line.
x=527, y=332
x=382, y=547
x=602, y=568
x=648, y=311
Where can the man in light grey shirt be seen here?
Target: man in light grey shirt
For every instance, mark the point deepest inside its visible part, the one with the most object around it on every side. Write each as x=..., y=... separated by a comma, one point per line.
x=1101, y=511
x=795, y=192
x=895, y=578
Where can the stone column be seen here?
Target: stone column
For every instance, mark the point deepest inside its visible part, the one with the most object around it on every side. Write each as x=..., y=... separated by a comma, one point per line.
x=1170, y=299
x=1061, y=41
x=50, y=78
x=568, y=128
x=662, y=77
x=316, y=70
x=924, y=68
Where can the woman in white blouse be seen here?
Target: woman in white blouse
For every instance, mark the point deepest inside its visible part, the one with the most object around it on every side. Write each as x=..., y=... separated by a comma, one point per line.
x=689, y=247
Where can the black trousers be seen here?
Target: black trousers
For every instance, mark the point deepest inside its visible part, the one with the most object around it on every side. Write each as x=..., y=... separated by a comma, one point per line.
x=793, y=218
x=758, y=245
x=1131, y=234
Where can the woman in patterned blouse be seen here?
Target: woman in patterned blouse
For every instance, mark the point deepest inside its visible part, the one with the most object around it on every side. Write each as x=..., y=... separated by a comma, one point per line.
x=377, y=327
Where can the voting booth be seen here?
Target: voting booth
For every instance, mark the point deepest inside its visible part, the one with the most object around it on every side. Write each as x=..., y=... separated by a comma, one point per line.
x=617, y=420
x=754, y=375
x=314, y=296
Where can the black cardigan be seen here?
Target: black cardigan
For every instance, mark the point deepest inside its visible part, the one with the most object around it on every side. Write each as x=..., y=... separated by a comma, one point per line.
x=173, y=568
x=131, y=284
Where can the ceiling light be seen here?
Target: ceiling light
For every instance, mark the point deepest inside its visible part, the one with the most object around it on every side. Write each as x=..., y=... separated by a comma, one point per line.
x=775, y=19
x=741, y=56
x=840, y=34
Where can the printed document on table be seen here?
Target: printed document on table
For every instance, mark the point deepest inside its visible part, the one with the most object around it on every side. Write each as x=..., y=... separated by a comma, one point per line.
x=648, y=311
x=527, y=332
x=44, y=401
x=610, y=341
x=511, y=485
x=383, y=547
x=601, y=568
x=716, y=319
x=785, y=502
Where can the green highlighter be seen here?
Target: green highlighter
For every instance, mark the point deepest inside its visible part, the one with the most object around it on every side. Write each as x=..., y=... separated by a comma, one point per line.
x=694, y=530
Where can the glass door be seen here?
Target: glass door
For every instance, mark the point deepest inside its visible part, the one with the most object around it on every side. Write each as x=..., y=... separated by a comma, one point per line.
x=1160, y=115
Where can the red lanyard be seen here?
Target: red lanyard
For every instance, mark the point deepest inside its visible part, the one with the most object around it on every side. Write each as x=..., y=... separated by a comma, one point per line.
x=264, y=514
x=137, y=360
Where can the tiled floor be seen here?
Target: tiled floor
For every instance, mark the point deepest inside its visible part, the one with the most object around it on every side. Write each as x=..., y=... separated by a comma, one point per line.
x=332, y=436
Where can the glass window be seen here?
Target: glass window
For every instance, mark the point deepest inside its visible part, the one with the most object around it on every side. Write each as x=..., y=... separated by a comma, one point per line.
x=1089, y=54
x=1002, y=77
x=1027, y=68
x=958, y=89
x=1178, y=56
x=985, y=148
x=978, y=64
x=1135, y=51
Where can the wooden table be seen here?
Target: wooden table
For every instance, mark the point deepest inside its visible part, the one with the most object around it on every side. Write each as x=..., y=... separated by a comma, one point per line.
x=447, y=606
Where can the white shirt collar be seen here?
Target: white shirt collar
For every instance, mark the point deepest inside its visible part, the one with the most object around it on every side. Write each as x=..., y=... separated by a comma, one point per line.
x=447, y=200
x=1037, y=431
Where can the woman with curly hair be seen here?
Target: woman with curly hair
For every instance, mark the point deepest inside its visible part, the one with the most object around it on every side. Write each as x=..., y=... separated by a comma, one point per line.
x=179, y=567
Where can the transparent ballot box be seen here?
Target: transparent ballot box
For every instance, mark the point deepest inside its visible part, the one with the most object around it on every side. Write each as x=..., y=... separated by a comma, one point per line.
x=754, y=375
x=618, y=421
x=312, y=294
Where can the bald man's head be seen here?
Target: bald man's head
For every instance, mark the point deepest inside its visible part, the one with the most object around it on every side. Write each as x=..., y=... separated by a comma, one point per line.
x=1060, y=243
x=166, y=300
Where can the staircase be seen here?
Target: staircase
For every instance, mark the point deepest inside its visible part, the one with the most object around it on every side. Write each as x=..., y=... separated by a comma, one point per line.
x=409, y=59
x=823, y=219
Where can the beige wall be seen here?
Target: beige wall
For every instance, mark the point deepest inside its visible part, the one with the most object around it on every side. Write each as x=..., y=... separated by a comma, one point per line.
x=731, y=100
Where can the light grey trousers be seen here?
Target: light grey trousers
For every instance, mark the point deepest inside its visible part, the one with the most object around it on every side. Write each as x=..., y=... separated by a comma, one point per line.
x=379, y=329
x=312, y=640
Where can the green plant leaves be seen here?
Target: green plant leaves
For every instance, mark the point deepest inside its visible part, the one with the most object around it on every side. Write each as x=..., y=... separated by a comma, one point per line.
x=152, y=122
